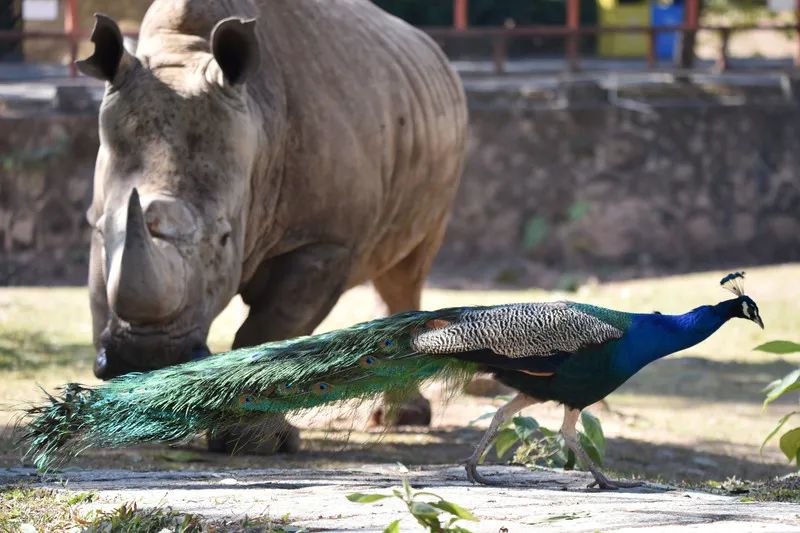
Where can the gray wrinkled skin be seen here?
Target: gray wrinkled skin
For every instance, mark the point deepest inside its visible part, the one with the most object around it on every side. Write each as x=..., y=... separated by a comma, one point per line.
x=329, y=159
x=518, y=330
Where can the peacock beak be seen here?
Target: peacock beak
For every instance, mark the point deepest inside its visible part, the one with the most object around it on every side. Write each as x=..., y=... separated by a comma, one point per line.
x=758, y=321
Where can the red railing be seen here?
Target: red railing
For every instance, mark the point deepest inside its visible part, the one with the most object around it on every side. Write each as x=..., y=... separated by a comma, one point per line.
x=498, y=36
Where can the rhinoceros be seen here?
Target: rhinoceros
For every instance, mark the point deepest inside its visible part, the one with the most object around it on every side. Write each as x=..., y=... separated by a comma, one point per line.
x=284, y=150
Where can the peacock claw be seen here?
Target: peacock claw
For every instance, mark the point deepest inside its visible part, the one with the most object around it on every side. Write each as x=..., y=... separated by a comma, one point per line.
x=474, y=477
x=607, y=484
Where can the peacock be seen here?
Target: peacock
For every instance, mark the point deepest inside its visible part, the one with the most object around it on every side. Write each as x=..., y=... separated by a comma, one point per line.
x=567, y=352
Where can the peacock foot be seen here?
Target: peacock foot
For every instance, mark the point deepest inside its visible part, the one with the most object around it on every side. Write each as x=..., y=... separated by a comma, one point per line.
x=277, y=437
x=474, y=477
x=603, y=483
x=414, y=411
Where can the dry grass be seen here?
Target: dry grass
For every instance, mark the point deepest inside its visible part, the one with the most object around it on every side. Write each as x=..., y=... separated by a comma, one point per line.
x=24, y=509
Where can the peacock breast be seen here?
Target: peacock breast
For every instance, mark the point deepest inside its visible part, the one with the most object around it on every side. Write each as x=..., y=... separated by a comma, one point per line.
x=587, y=377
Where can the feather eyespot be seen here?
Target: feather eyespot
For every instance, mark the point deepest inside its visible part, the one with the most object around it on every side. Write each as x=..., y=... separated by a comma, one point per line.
x=286, y=388
x=387, y=343
x=322, y=388
x=246, y=399
x=368, y=361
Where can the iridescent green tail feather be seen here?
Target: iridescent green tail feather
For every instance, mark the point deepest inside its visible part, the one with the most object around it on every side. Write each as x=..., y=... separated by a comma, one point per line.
x=237, y=387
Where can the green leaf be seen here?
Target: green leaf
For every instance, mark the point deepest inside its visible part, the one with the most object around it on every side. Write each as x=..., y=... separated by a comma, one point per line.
x=423, y=510
x=594, y=431
x=454, y=509
x=777, y=428
x=425, y=493
x=548, y=432
x=525, y=427
x=394, y=527
x=360, y=497
x=790, y=444
x=590, y=449
x=789, y=383
x=780, y=347
x=570, y=460
x=772, y=385
x=578, y=210
x=534, y=233
x=504, y=441
x=407, y=488
x=484, y=416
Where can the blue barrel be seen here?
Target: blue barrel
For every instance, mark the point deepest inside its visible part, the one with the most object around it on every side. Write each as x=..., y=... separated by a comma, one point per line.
x=667, y=14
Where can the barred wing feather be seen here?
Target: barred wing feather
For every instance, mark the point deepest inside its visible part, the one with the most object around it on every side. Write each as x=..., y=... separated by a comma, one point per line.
x=517, y=330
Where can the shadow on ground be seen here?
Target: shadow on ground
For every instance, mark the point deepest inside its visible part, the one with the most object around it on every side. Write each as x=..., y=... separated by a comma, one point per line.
x=412, y=447
x=698, y=377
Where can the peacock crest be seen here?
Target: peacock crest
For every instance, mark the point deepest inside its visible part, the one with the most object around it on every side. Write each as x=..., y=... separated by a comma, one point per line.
x=734, y=282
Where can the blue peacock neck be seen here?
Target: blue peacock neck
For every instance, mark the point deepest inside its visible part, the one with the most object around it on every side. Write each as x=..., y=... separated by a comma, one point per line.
x=653, y=336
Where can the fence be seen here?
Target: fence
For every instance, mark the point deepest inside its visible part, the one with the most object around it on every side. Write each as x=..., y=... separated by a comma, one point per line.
x=499, y=36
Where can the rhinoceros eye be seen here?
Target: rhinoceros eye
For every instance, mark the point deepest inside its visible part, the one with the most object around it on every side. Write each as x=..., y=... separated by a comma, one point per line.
x=169, y=219
x=225, y=238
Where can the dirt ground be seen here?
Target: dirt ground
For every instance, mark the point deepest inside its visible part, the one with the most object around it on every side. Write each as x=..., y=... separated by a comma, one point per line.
x=689, y=418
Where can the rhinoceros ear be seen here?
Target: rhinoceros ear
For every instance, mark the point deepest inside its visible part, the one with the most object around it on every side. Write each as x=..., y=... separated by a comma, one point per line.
x=104, y=63
x=235, y=48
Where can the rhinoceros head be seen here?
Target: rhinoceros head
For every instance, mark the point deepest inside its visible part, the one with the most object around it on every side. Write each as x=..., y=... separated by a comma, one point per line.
x=177, y=149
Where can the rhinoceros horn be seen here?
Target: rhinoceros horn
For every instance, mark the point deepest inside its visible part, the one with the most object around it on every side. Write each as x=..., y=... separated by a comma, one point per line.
x=147, y=280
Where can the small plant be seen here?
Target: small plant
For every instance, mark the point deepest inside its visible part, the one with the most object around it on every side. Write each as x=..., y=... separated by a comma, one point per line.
x=542, y=446
x=129, y=518
x=429, y=514
x=790, y=440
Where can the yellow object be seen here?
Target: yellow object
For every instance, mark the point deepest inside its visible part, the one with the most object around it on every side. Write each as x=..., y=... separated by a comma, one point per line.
x=616, y=13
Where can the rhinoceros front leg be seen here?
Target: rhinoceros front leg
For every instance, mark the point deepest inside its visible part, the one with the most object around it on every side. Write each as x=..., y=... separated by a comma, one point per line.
x=292, y=294
x=289, y=296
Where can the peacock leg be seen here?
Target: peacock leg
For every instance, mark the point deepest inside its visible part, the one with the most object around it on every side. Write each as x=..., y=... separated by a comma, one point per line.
x=517, y=403
x=570, y=434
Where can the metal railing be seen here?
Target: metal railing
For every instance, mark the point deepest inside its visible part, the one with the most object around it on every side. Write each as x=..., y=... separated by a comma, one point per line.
x=499, y=37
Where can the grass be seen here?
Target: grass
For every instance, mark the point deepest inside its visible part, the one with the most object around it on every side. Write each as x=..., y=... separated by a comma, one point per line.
x=35, y=509
x=24, y=509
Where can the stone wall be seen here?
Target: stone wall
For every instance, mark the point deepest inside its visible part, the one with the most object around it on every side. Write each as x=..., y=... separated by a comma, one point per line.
x=561, y=183
x=578, y=180
x=46, y=166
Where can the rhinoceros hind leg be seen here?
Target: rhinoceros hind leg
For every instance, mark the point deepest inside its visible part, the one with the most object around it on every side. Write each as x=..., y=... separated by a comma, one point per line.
x=400, y=288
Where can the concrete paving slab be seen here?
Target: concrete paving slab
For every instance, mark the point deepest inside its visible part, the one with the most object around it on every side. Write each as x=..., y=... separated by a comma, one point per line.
x=541, y=500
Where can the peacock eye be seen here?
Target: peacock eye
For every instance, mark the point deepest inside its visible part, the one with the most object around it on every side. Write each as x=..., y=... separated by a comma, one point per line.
x=321, y=387
x=367, y=361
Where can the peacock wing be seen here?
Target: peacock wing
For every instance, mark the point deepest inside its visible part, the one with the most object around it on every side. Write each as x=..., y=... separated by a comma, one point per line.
x=521, y=330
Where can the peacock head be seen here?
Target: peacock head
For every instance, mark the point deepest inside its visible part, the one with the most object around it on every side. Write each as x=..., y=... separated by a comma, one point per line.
x=744, y=306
